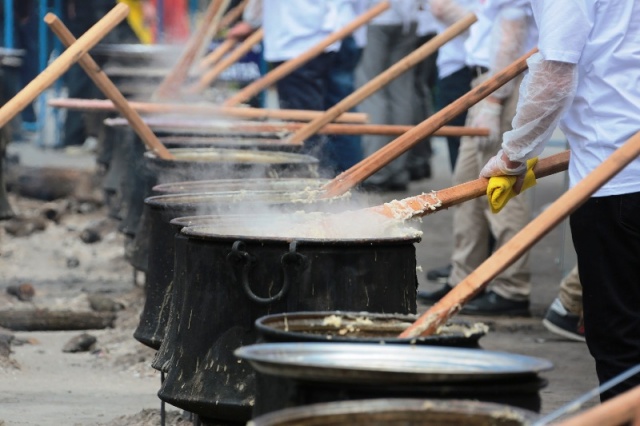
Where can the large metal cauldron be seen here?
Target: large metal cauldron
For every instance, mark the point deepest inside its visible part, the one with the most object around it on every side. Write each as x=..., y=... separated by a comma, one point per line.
x=208, y=163
x=399, y=412
x=234, y=277
x=159, y=246
x=361, y=327
x=294, y=374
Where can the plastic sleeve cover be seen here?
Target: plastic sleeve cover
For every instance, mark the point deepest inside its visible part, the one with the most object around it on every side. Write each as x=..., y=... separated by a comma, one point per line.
x=545, y=94
x=508, y=38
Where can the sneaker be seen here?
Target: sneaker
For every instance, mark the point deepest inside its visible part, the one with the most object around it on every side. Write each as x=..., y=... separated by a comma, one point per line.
x=434, y=296
x=493, y=304
x=440, y=274
x=559, y=321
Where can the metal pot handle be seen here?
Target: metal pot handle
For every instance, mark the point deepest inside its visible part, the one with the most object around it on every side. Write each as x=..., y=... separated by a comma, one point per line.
x=292, y=263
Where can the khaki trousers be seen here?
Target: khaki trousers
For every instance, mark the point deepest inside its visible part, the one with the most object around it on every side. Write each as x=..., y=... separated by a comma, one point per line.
x=570, y=294
x=473, y=220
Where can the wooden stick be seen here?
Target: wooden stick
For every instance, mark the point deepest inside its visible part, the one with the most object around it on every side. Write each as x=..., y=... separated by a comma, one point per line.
x=233, y=15
x=178, y=74
x=289, y=66
x=207, y=126
x=217, y=54
x=385, y=77
x=502, y=258
x=208, y=110
x=63, y=63
x=109, y=89
x=215, y=72
x=617, y=411
x=212, y=30
x=359, y=172
x=422, y=205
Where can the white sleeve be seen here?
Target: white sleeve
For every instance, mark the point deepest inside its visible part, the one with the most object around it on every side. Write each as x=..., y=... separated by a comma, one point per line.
x=545, y=94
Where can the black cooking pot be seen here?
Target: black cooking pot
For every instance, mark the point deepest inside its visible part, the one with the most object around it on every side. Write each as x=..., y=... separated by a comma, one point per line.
x=361, y=327
x=233, y=277
x=399, y=412
x=294, y=374
x=239, y=185
x=207, y=163
x=160, y=210
x=125, y=176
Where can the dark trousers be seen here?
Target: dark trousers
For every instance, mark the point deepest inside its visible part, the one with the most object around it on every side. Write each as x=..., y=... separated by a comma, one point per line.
x=451, y=88
x=306, y=88
x=606, y=236
x=342, y=151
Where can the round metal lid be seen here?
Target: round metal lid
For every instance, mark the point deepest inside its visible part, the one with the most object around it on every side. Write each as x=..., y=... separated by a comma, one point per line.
x=375, y=363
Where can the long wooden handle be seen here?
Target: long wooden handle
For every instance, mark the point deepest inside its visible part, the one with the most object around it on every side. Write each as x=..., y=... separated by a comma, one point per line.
x=289, y=66
x=385, y=78
x=109, y=89
x=233, y=15
x=179, y=72
x=215, y=72
x=63, y=63
x=365, y=168
x=207, y=110
x=424, y=204
x=502, y=258
x=244, y=127
x=212, y=30
x=213, y=57
x=622, y=409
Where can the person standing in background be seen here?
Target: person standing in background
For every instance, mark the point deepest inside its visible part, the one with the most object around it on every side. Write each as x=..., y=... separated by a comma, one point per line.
x=289, y=32
x=505, y=30
x=419, y=160
x=390, y=37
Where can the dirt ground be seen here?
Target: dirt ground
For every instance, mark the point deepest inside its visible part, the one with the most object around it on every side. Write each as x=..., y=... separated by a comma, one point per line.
x=113, y=384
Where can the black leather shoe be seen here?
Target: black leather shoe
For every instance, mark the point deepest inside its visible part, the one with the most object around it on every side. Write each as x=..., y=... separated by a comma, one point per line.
x=440, y=274
x=434, y=296
x=493, y=304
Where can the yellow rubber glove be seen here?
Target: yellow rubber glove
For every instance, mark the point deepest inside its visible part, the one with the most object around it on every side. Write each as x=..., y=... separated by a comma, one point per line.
x=500, y=188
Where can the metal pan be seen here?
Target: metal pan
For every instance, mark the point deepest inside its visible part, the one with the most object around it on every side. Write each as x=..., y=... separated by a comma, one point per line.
x=374, y=363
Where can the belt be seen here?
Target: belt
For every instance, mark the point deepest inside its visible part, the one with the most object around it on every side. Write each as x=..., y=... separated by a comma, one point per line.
x=477, y=70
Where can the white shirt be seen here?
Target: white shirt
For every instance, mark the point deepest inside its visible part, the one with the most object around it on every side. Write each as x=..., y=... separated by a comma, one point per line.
x=479, y=45
x=603, y=38
x=427, y=23
x=291, y=27
x=452, y=56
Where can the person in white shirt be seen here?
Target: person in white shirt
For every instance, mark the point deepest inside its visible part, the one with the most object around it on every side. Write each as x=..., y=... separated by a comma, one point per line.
x=291, y=30
x=505, y=30
x=586, y=78
x=390, y=37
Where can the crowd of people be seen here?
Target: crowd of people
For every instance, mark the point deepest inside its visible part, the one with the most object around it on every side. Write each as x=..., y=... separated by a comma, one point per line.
x=584, y=79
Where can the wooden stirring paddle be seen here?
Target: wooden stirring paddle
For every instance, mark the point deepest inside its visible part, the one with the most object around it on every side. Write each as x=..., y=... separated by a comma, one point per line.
x=110, y=90
x=365, y=168
x=422, y=205
x=58, y=67
x=502, y=258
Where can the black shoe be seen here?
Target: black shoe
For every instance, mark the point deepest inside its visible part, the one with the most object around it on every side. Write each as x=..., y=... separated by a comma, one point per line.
x=434, y=296
x=563, y=323
x=493, y=304
x=440, y=274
